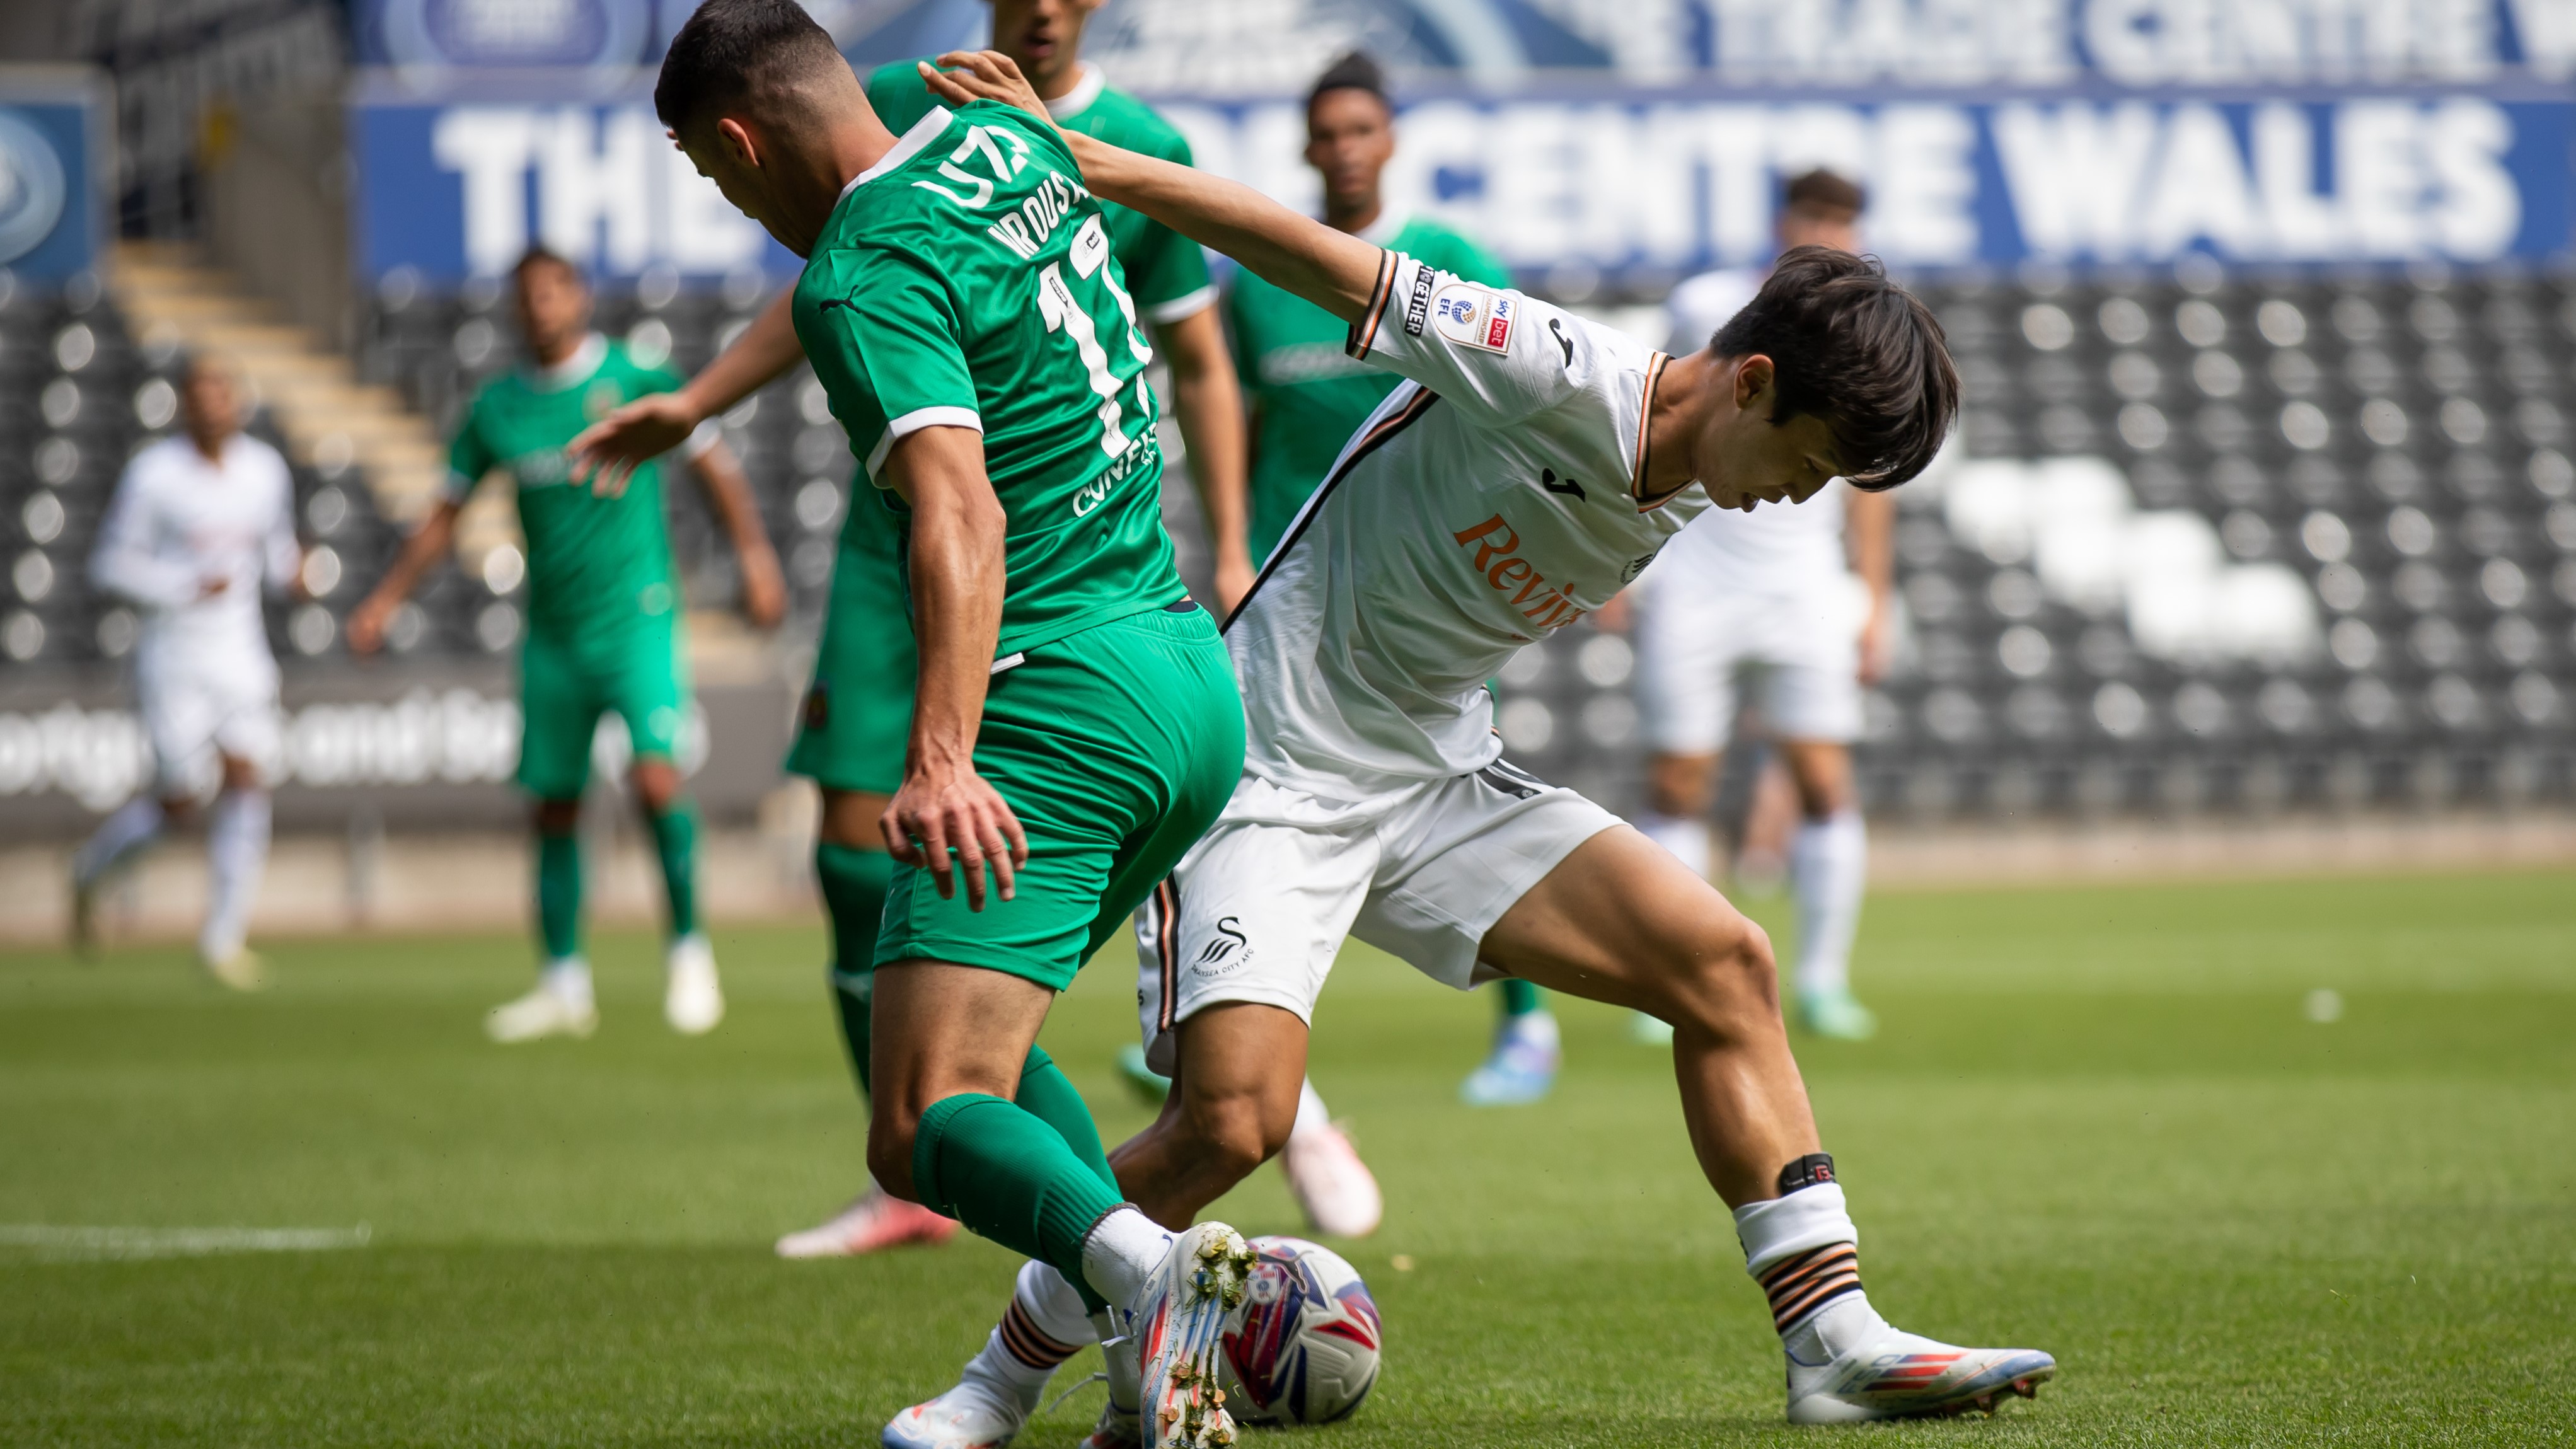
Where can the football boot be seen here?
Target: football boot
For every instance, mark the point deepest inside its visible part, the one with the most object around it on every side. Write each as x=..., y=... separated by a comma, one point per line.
x=1898, y=1375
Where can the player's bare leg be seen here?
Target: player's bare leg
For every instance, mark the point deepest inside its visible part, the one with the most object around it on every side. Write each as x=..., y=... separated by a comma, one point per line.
x=1233, y=1105
x=1621, y=921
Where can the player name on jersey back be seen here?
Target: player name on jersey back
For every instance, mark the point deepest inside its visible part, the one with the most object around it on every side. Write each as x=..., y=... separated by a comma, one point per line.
x=1495, y=498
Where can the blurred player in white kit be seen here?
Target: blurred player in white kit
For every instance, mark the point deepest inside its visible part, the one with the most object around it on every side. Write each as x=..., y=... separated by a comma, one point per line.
x=1793, y=601
x=200, y=522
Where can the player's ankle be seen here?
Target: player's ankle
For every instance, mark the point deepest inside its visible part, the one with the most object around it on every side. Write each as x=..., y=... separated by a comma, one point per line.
x=1122, y=1253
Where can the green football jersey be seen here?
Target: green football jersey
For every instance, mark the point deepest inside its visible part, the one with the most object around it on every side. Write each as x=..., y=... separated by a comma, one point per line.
x=594, y=563
x=1308, y=396
x=1167, y=274
x=966, y=280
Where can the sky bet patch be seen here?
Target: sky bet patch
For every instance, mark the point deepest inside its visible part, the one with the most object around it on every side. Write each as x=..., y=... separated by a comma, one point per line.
x=1473, y=317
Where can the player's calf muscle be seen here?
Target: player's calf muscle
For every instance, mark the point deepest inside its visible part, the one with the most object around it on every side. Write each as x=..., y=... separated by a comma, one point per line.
x=937, y=1031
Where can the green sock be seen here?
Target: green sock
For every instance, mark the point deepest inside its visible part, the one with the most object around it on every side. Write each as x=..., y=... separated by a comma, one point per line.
x=1009, y=1174
x=559, y=894
x=1519, y=997
x=675, y=836
x=1048, y=1095
x=854, y=891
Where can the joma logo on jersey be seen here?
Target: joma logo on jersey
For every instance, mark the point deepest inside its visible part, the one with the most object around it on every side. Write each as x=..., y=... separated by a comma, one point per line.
x=1027, y=229
x=1497, y=547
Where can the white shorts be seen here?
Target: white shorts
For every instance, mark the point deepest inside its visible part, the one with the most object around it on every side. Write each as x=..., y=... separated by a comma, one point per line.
x=195, y=708
x=1261, y=905
x=1799, y=652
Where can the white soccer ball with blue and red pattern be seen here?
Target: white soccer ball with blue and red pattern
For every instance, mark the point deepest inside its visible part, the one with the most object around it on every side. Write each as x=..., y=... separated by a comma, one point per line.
x=1304, y=1345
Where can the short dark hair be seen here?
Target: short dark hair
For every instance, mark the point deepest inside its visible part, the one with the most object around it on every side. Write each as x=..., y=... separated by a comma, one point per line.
x=1821, y=187
x=1859, y=351
x=1355, y=71
x=542, y=255
x=731, y=51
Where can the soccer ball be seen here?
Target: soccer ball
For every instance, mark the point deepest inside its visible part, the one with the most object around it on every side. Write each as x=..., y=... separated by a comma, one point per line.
x=1302, y=1348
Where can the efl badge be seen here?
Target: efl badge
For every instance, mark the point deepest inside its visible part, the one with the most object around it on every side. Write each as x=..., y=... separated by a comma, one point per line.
x=1473, y=317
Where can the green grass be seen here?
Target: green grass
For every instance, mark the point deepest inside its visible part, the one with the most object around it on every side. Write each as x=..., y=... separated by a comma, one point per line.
x=2098, y=1122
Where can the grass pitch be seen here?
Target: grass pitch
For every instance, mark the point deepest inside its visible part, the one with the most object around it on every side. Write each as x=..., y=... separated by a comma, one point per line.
x=2099, y=1122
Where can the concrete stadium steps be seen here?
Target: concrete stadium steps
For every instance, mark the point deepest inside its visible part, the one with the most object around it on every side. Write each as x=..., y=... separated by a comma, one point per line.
x=312, y=392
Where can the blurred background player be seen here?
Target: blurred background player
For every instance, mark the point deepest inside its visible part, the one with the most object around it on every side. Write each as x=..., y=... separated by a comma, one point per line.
x=605, y=630
x=1794, y=601
x=199, y=522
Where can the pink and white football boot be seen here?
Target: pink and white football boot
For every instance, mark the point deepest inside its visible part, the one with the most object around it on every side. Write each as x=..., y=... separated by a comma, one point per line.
x=1337, y=1191
x=1175, y=1329
x=874, y=1220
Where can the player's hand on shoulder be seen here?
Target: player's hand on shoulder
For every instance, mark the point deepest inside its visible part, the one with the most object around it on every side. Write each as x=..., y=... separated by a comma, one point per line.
x=606, y=453
x=941, y=809
x=982, y=75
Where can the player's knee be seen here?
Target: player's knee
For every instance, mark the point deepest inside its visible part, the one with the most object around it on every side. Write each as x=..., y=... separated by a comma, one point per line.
x=657, y=786
x=1234, y=1132
x=890, y=1137
x=557, y=817
x=1729, y=982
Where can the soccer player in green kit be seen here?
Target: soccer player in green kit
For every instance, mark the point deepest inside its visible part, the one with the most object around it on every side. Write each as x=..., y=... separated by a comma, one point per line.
x=1309, y=397
x=1075, y=724
x=604, y=630
x=859, y=708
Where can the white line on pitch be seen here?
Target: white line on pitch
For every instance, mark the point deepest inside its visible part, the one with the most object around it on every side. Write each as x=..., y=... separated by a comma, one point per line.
x=54, y=1240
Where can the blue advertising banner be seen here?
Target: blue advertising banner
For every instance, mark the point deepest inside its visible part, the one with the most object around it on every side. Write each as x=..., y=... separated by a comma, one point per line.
x=1615, y=141
x=1626, y=190
x=53, y=151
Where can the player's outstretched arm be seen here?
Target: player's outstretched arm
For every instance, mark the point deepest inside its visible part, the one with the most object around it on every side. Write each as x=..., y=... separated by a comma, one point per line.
x=956, y=577
x=607, y=452
x=419, y=552
x=728, y=494
x=1334, y=270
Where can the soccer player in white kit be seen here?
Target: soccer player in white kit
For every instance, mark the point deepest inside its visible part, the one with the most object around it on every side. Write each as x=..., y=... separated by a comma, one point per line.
x=1767, y=598
x=1531, y=466
x=199, y=523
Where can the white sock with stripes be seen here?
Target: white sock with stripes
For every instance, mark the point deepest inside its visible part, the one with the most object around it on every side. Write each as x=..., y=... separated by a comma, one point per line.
x=1043, y=1326
x=1804, y=1251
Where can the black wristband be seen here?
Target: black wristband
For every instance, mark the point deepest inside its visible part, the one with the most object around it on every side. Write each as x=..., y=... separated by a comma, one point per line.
x=1809, y=1171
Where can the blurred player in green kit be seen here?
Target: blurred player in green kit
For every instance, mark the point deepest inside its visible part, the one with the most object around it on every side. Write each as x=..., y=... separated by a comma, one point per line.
x=858, y=710
x=605, y=630
x=1309, y=397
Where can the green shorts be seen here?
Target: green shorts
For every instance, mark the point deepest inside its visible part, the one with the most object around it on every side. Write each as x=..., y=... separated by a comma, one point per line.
x=858, y=711
x=1116, y=748
x=641, y=672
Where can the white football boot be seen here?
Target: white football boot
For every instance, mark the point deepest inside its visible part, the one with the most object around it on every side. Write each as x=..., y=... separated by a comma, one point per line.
x=692, y=1002
x=1121, y=1424
x=240, y=968
x=965, y=1417
x=1175, y=1327
x=561, y=1005
x=1898, y=1375
x=1337, y=1191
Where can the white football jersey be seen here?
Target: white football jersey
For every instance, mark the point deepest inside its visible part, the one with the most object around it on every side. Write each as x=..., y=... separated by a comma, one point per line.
x=1772, y=550
x=1493, y=499
x=179, y=521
